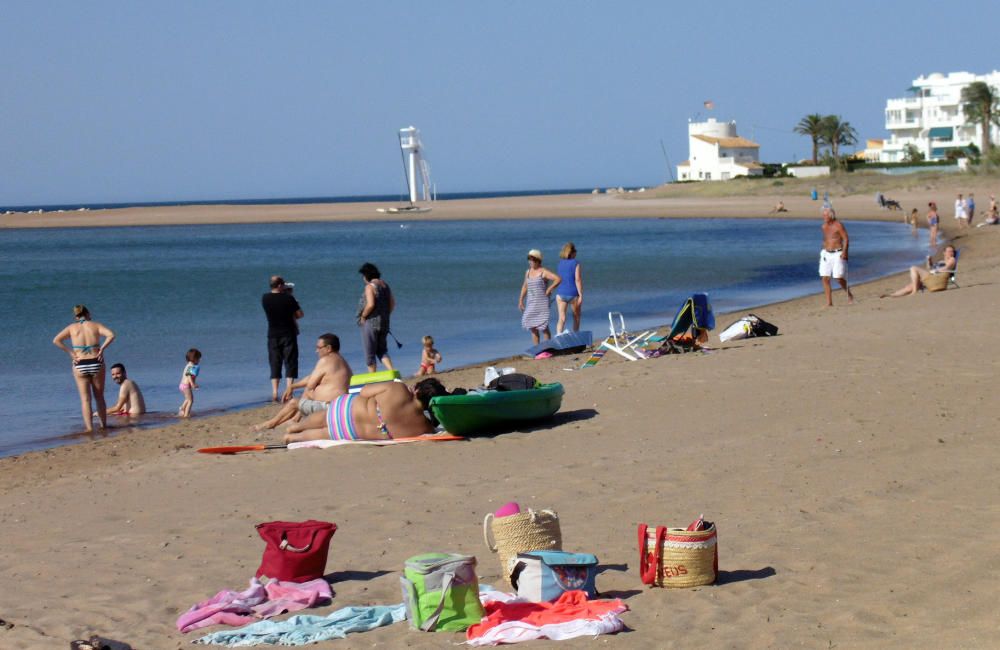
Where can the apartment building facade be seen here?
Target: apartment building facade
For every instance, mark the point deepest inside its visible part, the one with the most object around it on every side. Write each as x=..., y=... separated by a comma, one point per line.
x=931, y=118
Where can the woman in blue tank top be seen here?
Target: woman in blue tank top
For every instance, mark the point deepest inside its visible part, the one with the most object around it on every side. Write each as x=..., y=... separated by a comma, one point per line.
x=570, y=289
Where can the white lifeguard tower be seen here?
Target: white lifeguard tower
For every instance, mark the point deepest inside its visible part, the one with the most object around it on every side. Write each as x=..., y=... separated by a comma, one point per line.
x=418, y=173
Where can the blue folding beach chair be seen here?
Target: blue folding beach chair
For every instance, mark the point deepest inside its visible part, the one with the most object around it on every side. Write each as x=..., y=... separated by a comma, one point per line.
x=695, y=315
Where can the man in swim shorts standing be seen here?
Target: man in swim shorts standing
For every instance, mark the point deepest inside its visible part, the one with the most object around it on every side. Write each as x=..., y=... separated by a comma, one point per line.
x=329, y=379
x=282, y=311
x=833, y=256
x=130, y=401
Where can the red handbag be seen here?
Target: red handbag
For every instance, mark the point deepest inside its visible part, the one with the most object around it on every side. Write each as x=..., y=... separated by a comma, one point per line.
x=295, y=551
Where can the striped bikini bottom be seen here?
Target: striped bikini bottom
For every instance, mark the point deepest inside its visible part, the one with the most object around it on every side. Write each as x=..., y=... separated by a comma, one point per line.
x=339, y=423
x=88, y=367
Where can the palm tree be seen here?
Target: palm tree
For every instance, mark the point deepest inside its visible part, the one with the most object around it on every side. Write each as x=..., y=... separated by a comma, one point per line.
x=836, y=132
x=812, y=126
x=980, y=105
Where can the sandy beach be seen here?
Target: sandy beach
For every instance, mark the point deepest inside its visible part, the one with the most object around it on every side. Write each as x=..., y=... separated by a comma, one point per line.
x=848, y=464
x=853, y=199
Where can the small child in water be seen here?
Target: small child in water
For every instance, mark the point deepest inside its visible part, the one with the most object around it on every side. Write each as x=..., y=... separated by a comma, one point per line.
x=429, y=358
x=189, y=381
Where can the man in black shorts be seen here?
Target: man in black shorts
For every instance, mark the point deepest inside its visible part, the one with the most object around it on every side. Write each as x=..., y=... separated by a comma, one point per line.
x=282, y=333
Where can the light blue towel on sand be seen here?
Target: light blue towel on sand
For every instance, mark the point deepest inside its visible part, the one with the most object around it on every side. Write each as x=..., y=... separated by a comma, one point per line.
x=303, y=629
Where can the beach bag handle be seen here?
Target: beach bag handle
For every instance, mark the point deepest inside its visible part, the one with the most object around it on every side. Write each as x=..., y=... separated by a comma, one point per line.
x=648, y=566
x=490, y=543
x=431, y=622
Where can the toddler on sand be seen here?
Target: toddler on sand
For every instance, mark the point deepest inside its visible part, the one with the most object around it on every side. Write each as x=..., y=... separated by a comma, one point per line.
x=189, y=381
x=429, y=358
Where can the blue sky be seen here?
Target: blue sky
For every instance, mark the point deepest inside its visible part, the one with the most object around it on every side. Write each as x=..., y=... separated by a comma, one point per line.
x=144, y=101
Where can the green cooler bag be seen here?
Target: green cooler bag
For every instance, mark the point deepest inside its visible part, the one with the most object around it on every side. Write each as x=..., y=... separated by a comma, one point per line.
x=441, y=592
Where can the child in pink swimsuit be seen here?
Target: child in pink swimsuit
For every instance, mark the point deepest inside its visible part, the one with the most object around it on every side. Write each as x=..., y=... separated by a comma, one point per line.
x=189, y=381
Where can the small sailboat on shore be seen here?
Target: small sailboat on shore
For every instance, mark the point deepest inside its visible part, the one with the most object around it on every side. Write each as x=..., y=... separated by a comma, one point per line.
x=404, y=209
x=409, y=143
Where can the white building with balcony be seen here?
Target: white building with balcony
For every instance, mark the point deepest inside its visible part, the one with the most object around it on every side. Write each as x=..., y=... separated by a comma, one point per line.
x=932, y=119
x=717, y=153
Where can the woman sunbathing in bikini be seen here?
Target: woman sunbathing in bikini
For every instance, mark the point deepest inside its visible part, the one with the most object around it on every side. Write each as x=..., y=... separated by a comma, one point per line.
x=380, y=411
x=918, y=276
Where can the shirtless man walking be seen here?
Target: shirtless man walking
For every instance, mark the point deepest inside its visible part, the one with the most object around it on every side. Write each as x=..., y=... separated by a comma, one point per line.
x=328, y=380
x=130, y=401
x=833, y=257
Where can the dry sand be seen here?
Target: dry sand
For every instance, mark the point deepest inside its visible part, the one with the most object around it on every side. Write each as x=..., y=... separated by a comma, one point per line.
x=849, y=463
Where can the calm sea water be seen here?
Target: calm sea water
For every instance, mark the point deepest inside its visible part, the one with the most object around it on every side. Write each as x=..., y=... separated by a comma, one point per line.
x=166, y=289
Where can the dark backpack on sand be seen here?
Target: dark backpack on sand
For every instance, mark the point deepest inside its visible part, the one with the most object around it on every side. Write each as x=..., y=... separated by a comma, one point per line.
x=513, y=381
x=760, y=327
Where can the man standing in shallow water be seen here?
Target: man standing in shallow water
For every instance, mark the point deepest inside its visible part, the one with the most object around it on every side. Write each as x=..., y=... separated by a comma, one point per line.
x=282, y=312
x=833, y=256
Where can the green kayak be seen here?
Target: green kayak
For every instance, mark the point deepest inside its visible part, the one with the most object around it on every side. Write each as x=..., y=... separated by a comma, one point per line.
x=474, y=413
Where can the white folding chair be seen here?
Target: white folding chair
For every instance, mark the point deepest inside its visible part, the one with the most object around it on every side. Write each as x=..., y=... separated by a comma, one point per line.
x=620, y=341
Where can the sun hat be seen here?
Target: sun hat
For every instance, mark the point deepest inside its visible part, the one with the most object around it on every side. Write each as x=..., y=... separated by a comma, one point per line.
x=537, y=254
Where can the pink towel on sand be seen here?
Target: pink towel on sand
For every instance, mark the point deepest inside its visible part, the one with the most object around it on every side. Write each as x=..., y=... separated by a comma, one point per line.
x=256, y=603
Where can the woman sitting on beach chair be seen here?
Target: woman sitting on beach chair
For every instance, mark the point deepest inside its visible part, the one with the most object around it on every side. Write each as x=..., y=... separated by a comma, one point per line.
x=918, y=276
x=381, y=411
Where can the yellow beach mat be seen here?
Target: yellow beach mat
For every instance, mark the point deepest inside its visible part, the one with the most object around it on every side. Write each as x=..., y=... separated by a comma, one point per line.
x=359, y=381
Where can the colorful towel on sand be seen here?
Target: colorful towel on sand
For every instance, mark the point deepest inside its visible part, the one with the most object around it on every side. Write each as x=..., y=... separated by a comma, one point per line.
x=323, y=444
x=303, y=629
x=570, y=616
x=595, y=356
x=259, y=601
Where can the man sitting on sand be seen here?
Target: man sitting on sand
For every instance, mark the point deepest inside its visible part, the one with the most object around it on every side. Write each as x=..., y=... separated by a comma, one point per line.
x=330, y=378
x=778, y=207
x=380, y=411
x=130, y=400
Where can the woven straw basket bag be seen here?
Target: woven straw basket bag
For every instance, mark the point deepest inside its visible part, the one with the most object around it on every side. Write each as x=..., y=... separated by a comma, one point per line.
x=937, y=281
x=535, y=530
x=675, y=557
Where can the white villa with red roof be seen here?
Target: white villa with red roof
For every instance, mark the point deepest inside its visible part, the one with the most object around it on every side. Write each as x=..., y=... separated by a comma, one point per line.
x=717, y=153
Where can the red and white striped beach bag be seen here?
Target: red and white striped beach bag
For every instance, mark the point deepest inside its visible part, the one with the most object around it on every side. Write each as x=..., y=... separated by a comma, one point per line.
x=675, y=557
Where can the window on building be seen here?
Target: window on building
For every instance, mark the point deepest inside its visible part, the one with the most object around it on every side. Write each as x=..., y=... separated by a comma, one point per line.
x=708, y=176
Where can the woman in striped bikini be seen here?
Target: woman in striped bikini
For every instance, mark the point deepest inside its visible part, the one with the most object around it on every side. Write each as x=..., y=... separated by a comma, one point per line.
x=381, y=411
x=534, y=299
x=87, y=353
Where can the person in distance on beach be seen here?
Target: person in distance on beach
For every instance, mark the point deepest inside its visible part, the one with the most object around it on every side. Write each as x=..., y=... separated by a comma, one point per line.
x=933, y=220
x=569, y=292
x=960, y=210
x=833, y=256
x=918, y=276
x=189, y=381
x=534, y=299
x=87, y=353
x=374, y=309
x=329, y=379
x=130, y=401
x=429, y=357
x=282, y=311
x=381, y=411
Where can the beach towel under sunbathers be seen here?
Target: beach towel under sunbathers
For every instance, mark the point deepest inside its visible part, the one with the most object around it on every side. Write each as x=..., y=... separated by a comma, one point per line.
x=339, y=423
